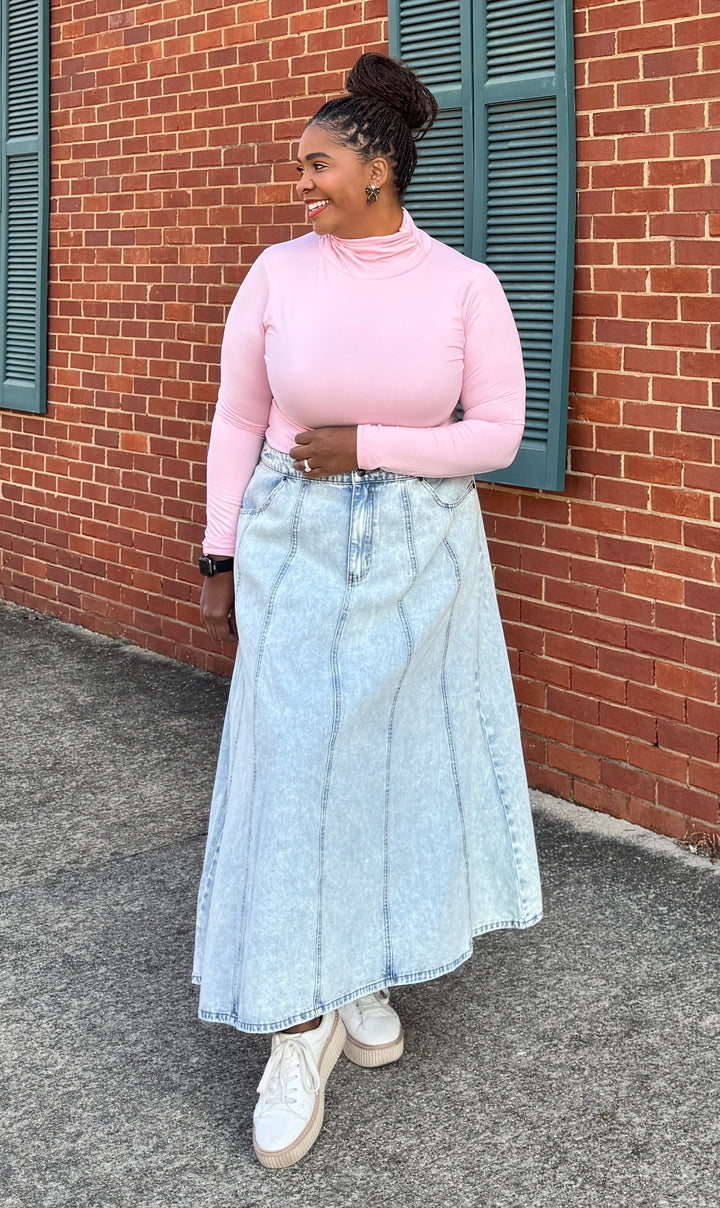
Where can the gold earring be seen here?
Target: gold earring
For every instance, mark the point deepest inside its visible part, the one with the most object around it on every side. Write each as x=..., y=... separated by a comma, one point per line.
x=372, y=193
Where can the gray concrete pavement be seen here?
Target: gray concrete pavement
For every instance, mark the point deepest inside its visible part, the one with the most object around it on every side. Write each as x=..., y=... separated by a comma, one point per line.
x=572, y=1065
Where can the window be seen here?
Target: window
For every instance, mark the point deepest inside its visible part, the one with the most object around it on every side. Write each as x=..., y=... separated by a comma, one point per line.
x=496, y=179
x=24, y=203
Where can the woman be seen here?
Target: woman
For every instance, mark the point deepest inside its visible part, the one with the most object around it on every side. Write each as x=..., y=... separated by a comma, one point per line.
x=370, y=813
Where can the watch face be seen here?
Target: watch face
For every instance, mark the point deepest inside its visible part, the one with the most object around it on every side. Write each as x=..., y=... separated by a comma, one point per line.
x=206, y=566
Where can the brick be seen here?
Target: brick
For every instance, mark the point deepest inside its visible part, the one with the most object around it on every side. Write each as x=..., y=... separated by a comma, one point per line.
x=693, y=619
x=682, y=335
x=680, y=226
x=705, y=655
x=686, y=681
x=651, y=360
x=698, y=309
x=669, y=10
x=645, y=200
x=696, y=143
x=619, y=121
x=695, y=197
x=645, y=37
x=654, y=586
x=694, y=33
x=529, y=692
x=654, y=703
x=702, y=716
x=702, y=537
x=549, y=781
x=622, y=386
x=679, y=280
x=630, y=722
x=704, y=775
x=700, y=364
x=653, y=470
x=677, y=62
x=621, y=439
x=546, y=670
x=626, y=664
x=649, y=306
x=655, y=818
x=676, y=172
x=594, y=462
x=655, y=252
x=684, y=562
x=544, y=617
x=680, y=390
x=546, y=725
x=624, y=551
x=628, y=780
x=700, y=419
x=622, y=493
x=692, y=802
x=632, y=91
x=576, y=763
x=687, y=739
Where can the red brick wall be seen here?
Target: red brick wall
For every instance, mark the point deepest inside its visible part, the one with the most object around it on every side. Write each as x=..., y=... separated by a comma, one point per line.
x=172, y=127
x=610, y=590
x=172, y=131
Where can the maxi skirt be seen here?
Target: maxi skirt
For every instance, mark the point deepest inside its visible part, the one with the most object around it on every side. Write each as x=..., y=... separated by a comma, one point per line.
x=370, y=814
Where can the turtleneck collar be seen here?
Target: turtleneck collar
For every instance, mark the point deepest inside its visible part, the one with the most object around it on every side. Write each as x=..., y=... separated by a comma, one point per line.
x=381, y=255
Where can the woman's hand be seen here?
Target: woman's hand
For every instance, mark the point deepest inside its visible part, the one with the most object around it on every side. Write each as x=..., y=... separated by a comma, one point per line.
x=327, y=451
x=217, y=611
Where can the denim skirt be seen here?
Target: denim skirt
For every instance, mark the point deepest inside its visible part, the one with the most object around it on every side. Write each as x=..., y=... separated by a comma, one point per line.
x=370, y=814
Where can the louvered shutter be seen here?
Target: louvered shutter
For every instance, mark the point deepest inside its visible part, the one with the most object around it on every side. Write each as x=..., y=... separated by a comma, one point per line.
x=525, y=188
x=24, y=201
x=519, y=182
x=434, y=37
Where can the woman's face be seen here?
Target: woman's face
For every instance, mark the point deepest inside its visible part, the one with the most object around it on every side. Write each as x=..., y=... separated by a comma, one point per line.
x=332, y=182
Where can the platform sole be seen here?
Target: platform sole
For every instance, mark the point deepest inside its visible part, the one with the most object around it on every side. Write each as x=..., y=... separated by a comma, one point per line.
x=279, y=1159
x=372, y=1055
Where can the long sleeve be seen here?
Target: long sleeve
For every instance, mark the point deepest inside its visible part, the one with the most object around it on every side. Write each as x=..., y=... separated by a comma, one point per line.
x=241, y=415
x=492, y=397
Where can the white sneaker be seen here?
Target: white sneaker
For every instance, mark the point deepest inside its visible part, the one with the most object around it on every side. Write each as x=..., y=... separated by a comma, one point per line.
x=289, y=1113
x=374, y=1031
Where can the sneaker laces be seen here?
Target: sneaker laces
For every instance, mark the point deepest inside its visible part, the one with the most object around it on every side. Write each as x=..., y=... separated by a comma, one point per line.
x=291, y=1066
x=372, y=1004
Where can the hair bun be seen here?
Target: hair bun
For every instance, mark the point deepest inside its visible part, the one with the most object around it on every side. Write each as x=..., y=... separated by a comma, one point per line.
x=388, y=82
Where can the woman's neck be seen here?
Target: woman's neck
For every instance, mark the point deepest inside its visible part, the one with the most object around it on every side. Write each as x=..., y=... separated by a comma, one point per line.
x=381, y=219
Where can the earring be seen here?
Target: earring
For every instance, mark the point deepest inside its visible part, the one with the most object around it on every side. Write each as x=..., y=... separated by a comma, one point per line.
x=372, y=193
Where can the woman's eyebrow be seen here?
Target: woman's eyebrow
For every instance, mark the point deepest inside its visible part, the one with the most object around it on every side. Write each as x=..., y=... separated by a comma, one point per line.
x=315, y=155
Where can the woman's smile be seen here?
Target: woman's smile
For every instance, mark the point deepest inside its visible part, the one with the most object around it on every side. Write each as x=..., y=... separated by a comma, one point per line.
x=316, y=207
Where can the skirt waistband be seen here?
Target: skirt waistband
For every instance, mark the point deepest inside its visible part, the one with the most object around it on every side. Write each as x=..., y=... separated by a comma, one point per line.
x=282, y=463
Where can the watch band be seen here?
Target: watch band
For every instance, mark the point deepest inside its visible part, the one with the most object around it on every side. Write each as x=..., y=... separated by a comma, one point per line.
x=214, y=566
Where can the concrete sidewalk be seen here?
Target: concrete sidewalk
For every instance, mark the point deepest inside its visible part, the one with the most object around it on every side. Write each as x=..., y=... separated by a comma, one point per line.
x=572, y=1065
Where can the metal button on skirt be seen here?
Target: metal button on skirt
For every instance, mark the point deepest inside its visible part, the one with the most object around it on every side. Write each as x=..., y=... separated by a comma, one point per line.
x=370, y=814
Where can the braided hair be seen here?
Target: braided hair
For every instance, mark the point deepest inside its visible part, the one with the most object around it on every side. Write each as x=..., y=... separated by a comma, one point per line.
x=386, y=112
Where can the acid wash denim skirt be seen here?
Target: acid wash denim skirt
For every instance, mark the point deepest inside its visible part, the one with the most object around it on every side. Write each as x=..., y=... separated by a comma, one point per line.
x=370, y=814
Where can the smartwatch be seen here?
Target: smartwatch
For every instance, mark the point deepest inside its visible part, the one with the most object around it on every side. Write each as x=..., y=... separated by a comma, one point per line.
x=214, y=566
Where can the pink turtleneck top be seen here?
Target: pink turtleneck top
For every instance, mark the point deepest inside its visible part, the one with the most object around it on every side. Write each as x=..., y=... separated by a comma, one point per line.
x=383, y=333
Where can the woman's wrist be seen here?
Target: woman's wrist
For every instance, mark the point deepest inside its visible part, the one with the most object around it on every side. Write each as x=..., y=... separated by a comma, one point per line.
x=210, y=565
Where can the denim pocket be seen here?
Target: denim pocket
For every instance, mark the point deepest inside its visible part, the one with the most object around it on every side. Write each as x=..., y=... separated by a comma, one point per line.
x=264, y=485
x=449, y=492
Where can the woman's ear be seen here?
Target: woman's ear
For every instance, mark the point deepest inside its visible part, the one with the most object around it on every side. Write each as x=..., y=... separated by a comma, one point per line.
x=379, y=171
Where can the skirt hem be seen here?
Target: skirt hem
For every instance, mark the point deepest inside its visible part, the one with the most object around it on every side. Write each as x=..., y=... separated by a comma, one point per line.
x=405, y=979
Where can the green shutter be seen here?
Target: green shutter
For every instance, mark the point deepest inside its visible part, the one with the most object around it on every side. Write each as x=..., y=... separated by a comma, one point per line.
x=525, y=190
x=518, y=178
x=24, y=204
x=434, y=37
